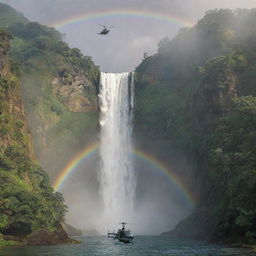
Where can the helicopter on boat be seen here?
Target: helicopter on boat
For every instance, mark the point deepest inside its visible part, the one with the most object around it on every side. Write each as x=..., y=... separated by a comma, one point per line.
x=105, y=30
x=123, y=235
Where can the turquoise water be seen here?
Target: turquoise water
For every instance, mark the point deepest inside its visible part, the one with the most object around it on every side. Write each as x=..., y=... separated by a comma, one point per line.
x=143, y=246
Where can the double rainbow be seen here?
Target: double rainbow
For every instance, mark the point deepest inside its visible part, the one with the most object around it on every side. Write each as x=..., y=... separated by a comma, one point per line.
x=88, y=151
x=133, y=13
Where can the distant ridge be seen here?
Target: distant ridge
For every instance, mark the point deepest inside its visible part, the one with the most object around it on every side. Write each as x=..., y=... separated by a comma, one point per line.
x=9, y=16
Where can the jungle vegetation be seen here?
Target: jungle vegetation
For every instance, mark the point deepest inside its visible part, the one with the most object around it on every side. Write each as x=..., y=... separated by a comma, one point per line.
x=27, y=201
x=197, y=95
x=45, y=63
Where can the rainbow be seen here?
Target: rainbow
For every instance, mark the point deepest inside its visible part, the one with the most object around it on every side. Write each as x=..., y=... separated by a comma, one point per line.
x=88, y=151
x=174, y=19
x=71, y=166
x=175, y=180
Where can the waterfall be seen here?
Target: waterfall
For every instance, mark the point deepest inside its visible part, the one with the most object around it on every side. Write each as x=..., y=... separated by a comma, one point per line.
x=116, y=99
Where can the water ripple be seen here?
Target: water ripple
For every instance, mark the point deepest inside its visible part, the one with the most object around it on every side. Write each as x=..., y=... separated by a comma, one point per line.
x=143, y=246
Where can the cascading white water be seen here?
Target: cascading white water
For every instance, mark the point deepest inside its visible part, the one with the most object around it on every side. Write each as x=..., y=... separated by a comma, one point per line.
x=117, y=179
x=158, y=204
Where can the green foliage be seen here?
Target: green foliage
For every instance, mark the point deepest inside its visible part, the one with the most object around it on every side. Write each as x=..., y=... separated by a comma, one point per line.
x=4, y=40
x=34, y=31
x=3, y=222
x=43, y=57
x=6, y=243
x=220, y=66
x=27, y=201
x=24, y=211
x=233, y=169
x=39, y=56
x=166, y=119
x=76, y=123
x=8, y=16
x=45, y=65
x=198, y=95
x=34, y=43
x=4, y=85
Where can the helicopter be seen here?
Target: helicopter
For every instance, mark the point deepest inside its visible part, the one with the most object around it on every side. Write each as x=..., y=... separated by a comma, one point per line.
x=123, y=235
x=105, y=30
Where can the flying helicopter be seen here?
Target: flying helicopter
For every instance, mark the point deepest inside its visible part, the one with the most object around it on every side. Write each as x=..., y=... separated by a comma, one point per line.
x=105, y=30
x=123, y=235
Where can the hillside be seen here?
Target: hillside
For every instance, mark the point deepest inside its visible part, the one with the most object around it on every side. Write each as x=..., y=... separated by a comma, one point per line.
x=197, y=98
x=28, y=206
x=59, y=88
x=195, y=110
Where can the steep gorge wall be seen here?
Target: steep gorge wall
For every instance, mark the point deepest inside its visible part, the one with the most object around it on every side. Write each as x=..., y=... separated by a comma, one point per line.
x=59, y=88
x=28, y=205
x=196, y=98
x=63, y=118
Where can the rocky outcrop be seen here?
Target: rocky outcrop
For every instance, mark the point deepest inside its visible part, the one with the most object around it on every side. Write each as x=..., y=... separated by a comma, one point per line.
x=59, y=89
x=46, y=237
x=78, y=94
x=215, y=93
x=73, y=107
x=5, y=46
x=11, y=102
x=41, y=237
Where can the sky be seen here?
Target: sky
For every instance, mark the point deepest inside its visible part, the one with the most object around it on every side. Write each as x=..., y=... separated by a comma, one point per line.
x=121, y=51
x=131, y=36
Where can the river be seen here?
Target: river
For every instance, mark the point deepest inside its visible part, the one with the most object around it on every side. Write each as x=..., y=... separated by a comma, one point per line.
x=142, y=246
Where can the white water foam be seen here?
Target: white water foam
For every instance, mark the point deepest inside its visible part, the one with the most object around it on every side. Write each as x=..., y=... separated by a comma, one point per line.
x=118, y=181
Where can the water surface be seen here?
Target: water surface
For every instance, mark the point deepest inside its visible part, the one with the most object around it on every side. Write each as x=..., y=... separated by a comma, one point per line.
x=143, y=246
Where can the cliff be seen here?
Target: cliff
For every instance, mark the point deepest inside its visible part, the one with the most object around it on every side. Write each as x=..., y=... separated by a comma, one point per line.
x=59, y=89
x=28, y=205
x=196, y=98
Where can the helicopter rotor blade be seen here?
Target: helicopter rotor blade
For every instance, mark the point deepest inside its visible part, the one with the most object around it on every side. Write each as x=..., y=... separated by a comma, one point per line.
x=102, y=25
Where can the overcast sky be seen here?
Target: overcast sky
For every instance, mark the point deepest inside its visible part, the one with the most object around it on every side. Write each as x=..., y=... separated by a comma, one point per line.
x=122, y=49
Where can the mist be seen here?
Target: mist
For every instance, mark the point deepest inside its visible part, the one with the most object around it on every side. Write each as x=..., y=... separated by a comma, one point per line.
x=158, y=204
x=123, y=49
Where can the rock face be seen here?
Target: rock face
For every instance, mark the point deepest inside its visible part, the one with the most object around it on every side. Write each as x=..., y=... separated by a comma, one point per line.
x=42, y=237
x=10, y=93
x=76, y=95
x=215, y=93
x=59, y=89
x=30, y=213
x=4, y=37
x=69, y=117
x=45, y=237
x=59, y=92
x=198, y=93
